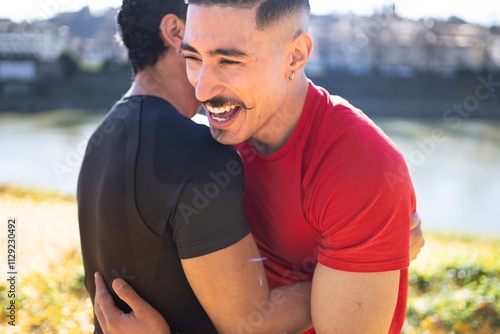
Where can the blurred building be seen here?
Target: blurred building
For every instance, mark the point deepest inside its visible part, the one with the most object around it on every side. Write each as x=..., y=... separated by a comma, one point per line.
x=394, y=46
x=30, y=51
x=41, y=40
x=383, y=43
x=101, y=45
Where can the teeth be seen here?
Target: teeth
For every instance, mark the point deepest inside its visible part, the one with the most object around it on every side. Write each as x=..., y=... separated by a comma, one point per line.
x=219, y=119
x=220, y=110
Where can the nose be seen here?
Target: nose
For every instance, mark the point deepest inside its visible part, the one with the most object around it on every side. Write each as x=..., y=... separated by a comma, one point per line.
x=208, y=83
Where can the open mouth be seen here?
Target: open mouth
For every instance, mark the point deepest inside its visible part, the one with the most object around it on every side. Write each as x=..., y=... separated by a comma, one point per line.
x=222, y=114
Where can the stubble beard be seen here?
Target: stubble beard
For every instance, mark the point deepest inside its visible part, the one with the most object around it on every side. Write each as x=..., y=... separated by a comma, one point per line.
x=220, y=136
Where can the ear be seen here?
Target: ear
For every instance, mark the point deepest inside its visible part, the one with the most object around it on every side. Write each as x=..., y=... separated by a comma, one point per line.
x=172, y=30
x=301, y=49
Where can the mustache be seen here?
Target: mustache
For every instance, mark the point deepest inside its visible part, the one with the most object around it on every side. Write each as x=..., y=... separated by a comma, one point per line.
x=220, y=101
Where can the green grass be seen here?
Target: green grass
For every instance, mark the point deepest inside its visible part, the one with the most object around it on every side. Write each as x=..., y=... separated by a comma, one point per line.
x=53, y=301
x=449, y=292
x=454, y=285
x=37, y=195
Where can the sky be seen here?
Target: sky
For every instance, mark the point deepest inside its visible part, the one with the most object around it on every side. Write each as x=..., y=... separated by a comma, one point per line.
x=485, y=12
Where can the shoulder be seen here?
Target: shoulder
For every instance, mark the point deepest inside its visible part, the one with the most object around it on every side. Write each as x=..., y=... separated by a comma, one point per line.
x=332, y=119
x=209, y=154
x=341, y=132
x=357, y=191
x=349, y=155
x=175, y=135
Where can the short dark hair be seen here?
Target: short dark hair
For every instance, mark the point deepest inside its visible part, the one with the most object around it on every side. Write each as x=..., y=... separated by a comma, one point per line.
x=268, y=11
x=139, y=28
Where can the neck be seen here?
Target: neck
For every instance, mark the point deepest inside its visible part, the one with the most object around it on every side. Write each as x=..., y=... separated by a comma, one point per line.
x=283, y=123
x=168, y=83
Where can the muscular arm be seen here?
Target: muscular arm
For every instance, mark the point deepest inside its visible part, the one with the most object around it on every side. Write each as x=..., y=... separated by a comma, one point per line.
x=233, y=291
x=230, y=286
x=144, y=315
x=348, y=302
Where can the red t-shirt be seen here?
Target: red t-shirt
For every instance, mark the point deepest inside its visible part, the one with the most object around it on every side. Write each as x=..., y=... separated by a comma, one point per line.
x=338, y=192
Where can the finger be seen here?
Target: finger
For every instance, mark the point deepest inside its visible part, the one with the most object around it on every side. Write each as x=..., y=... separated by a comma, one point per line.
x=100, y=317
x=103, y=299
x=417, y=237
x=415, y=221
x=417, y=243
x=129, y=296
x=414, y=253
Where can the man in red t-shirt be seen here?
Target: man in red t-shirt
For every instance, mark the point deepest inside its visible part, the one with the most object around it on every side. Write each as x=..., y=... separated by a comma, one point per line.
x=325, y=197
x=328, y=195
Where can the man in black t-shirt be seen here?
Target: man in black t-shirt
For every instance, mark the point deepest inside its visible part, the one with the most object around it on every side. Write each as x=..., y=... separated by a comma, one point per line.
x=160, y=203
x=146, y=199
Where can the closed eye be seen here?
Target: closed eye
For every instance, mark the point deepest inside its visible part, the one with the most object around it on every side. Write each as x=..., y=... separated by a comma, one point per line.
x=188, y=57
x=230, y=62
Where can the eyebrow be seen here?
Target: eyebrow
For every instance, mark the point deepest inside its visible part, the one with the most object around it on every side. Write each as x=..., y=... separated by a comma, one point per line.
x=228, y=52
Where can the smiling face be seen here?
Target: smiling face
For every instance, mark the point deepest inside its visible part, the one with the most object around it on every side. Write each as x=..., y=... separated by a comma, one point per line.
x=240, y=73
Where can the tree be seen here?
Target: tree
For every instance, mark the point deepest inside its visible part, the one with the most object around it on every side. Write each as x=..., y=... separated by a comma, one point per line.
x=69, y=63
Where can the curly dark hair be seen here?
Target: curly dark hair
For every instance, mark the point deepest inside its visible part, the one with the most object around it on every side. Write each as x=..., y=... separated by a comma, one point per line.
x=139, y=28
x=268, y=12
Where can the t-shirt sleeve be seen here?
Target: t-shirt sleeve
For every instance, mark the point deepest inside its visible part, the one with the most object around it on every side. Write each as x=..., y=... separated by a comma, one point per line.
x=362, y=203
x=210, y=211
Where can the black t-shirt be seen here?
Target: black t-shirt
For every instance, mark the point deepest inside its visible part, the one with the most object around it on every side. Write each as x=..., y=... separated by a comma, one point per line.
x=155, y=188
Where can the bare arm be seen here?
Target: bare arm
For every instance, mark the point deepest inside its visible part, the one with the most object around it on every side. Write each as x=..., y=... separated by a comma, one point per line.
x=145, y=315
x=347, y=302
x=233, y=291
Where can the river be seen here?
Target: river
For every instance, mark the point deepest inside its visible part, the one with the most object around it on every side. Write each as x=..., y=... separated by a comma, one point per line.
x=455, y=164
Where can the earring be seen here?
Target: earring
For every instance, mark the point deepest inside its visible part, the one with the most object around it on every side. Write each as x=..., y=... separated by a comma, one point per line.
x=291, y=77
x=179, y=52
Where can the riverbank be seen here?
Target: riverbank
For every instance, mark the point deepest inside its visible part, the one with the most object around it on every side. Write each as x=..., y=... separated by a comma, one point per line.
x=84, y=90
x=424, y=96
x=454, y=283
